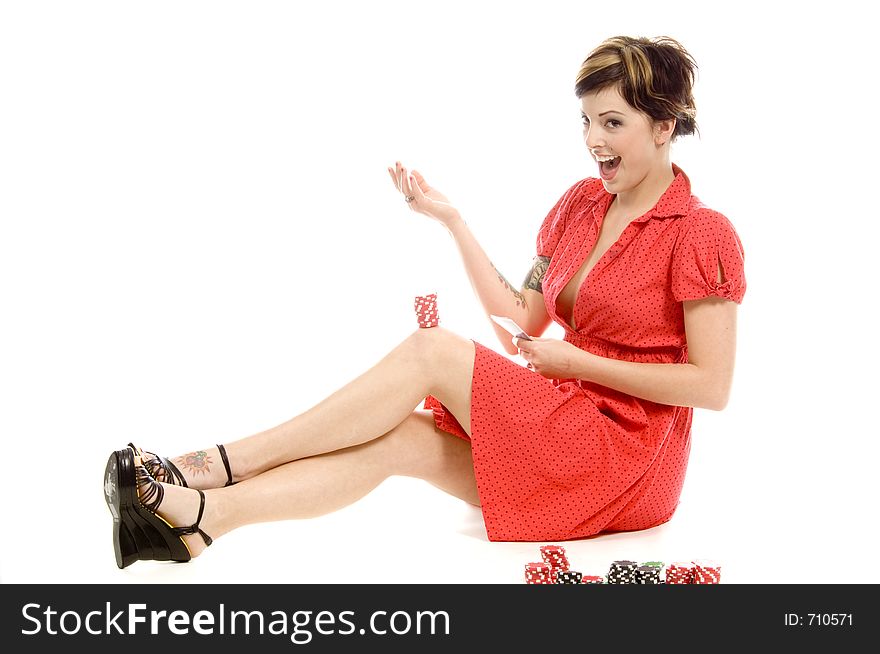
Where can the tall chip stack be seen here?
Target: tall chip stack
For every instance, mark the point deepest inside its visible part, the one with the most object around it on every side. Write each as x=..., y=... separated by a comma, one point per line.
x=554, y=556
x=426, y=310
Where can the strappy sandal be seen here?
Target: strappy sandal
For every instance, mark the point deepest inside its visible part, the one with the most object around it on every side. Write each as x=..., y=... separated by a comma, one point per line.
x=139, y=533
x=162, y=469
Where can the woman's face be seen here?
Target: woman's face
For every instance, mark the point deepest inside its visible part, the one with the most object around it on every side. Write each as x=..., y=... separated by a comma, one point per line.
x=613, y=128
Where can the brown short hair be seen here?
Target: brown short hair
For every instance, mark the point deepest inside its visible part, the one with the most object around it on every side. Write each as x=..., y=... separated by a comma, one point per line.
x=655, y=76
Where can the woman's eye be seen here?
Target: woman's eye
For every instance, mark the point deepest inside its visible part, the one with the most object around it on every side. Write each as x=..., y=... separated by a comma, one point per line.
x=611, y=121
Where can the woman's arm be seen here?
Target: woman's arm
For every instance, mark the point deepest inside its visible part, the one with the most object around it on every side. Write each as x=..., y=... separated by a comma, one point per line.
x=497, y=295
x=705, y=381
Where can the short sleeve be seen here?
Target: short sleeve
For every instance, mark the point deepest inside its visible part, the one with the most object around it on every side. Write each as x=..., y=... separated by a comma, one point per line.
x=707, y=238
x=553, y=227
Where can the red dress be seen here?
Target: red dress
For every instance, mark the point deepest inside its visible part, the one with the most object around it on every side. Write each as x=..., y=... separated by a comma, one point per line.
x=561, y=459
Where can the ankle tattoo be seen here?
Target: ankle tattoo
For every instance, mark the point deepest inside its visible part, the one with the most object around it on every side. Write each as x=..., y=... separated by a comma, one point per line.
x=196, y=463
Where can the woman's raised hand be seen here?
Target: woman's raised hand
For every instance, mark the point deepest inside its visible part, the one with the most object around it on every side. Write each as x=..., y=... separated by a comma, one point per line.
x=425, y=199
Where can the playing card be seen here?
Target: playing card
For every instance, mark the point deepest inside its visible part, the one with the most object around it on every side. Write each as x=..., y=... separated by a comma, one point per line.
x=511, y=326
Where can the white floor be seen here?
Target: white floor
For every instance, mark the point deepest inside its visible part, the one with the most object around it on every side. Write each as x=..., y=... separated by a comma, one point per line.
x=407, y=531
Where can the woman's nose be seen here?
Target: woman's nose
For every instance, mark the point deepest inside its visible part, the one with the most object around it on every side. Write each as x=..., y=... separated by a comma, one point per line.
x=593, y=140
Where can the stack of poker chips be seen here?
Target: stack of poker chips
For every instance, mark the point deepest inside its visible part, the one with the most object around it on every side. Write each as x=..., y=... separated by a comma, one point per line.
x=706, y=572
x=554, y=556
x=622, y=572
x=426, y=310
x=538, y=573
x=680, y=572
x=569, y=577
x=592, y=579
x=647, y=574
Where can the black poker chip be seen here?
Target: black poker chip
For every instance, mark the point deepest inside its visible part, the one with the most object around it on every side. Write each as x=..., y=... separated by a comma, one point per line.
x=569, y=577
x=647, y=574
x=622, y=572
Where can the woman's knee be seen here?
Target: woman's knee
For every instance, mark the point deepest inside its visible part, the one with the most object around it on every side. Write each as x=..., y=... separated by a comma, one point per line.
x=436, y=345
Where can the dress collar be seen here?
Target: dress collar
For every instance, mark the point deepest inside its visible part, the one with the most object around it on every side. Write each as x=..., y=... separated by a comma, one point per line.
x=673, y=202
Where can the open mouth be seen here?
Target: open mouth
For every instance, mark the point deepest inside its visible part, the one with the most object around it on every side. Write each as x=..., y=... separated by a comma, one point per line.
x=608, y=166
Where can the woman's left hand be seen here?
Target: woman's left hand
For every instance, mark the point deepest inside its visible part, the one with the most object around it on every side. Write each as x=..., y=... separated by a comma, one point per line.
x=550, y=357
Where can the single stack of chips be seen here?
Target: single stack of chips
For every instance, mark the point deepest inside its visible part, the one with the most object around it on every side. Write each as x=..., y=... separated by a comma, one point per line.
x=706, y=572
x=622, y=572
x=647, y=574
x=569, y=577
x=426, y=310
x=538, y=573
x=680, y=572
x=592, y=579
x=554, y=556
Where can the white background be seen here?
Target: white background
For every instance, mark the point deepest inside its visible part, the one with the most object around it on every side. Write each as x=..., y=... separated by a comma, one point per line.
x=200, y=240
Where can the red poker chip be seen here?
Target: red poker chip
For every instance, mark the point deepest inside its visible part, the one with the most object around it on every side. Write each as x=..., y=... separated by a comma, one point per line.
x=555, y=556
x=707, y=572
x=425, y=307
x=539, y=573
x=680, y=572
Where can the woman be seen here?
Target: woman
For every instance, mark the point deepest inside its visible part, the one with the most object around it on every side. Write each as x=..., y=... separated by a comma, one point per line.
x=592, y=436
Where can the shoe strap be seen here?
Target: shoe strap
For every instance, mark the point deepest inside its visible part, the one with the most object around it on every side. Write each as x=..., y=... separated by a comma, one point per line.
x=226, y=464
x=194, y=528
x=160, y=468
x=175, y=475
x=150, y=492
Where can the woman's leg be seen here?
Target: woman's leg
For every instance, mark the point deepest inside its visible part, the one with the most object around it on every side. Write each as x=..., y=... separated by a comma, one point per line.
x=327, y=482
x=432, y=361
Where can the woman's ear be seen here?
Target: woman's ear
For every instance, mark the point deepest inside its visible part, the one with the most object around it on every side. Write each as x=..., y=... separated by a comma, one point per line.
x=663, y=130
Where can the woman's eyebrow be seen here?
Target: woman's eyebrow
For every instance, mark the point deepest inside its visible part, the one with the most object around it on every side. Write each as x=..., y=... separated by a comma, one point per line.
x=610, y=111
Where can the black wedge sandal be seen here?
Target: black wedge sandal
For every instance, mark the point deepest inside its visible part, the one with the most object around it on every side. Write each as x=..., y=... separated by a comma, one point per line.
x=139, y=533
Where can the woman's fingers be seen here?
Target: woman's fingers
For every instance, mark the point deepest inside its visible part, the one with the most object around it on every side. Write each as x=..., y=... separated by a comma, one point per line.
x=404, y=182
x=419, y=178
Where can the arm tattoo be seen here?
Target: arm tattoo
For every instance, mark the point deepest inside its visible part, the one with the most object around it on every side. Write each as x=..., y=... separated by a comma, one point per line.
x=520, y=300
x=536, y=274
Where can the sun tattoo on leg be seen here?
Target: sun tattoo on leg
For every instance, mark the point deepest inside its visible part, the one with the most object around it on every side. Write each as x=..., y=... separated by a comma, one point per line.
x=198, y=462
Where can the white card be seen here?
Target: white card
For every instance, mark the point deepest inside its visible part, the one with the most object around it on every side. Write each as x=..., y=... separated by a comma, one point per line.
x=511, y=326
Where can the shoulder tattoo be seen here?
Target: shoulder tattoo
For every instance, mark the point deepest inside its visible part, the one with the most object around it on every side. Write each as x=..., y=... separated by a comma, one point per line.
x=536, y=274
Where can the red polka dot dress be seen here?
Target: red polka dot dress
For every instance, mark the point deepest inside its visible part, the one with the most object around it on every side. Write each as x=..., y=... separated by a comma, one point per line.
x=561, y=459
